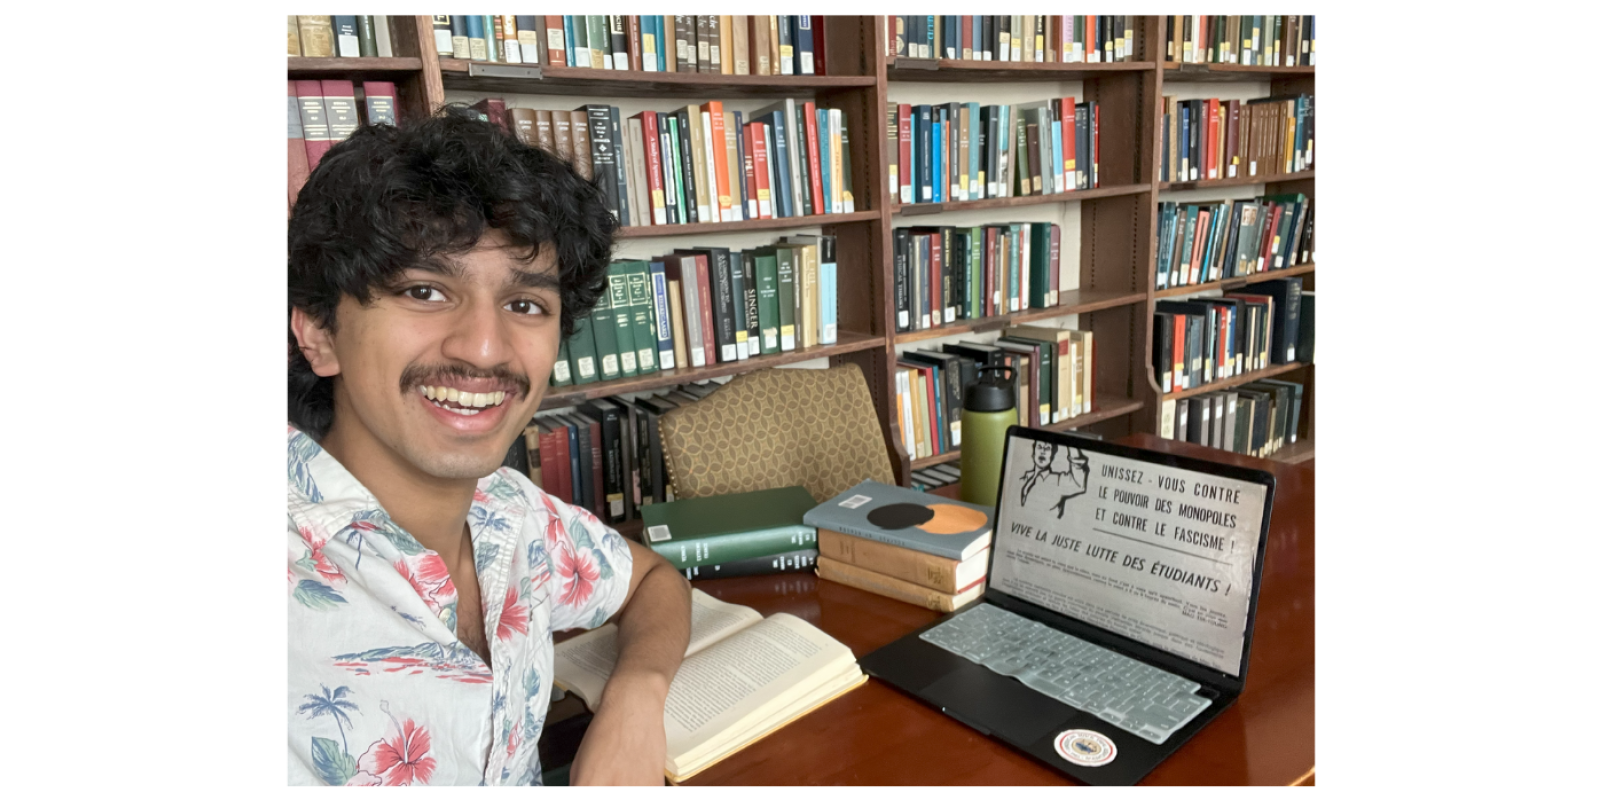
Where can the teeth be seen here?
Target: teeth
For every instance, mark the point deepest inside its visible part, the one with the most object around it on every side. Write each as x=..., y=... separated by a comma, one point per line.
x=428, y=390
x=465, y=399
x=480, y=400
x=452, y=395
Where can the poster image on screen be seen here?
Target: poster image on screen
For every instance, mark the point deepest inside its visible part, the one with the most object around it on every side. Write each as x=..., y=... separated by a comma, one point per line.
x=1161, y=555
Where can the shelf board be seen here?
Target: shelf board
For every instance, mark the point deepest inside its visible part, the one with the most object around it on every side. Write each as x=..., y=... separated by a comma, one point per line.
x=480, y=76
x=1297, y=453
x=1229, y=73
x=1220, y=183
x=968, y=71
x=1105, y=408
x=1238, y=380
x=1077, y=195
x=1073, y=301
x=557, y=396
x=1232, y=284
x=306, y=67
x=698, y=228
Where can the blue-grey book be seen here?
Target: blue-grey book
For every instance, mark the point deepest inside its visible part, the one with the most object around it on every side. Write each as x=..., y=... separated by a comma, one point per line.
x=907, y=518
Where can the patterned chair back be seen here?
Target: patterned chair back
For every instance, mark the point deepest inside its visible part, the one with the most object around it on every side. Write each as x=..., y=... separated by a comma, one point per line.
x=777, y=427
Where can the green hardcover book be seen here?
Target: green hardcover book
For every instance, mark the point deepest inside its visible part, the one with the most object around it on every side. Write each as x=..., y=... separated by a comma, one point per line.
x=368, y=31
x=1039, y=266
x=561, y=373
x=707, y=531
x=745, y=261
x=1014, y=272
x=599, y=41
x=766, y=262
x=604, y=323
x=622, y=319
x=578, y=48
x=786, y=297
x=581, y=352
x=641, y=302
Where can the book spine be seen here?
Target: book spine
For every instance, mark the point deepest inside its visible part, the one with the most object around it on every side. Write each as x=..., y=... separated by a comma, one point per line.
x=299, y=167
x=713, y=550
x=646, y=339
x=662, y=317
x=708, y=312
x=884, y=585
x=777, y=564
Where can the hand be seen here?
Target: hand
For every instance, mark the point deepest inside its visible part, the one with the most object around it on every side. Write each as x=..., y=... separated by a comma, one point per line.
x=626, y=744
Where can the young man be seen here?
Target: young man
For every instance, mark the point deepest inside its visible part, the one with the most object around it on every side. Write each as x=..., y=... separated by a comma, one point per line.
x=433, y=271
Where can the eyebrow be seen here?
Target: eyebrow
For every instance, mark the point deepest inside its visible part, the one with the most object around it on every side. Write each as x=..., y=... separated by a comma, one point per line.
x=545, y=279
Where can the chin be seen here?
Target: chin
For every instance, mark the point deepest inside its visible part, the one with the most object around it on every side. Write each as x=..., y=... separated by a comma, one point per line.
x=457, y=466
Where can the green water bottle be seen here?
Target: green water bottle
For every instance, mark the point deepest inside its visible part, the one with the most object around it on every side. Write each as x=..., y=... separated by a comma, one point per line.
x=988, y=408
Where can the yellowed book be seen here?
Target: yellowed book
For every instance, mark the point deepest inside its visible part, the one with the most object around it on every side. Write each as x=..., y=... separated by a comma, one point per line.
x=294, y=36
x=719, y=703
x=919, y=405
x=680, y=339
x=894, y=588
x=697, y=152
x=741, y=44
x=1085, y=381
x=730, y=135
x=316, y=35
x=725, y=33
x=924, y=569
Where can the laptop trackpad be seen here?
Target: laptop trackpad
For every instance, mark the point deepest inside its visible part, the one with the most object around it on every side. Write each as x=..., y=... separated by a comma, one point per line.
x=996, y=704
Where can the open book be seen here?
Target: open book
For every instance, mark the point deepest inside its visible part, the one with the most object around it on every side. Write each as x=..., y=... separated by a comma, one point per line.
x=742, y=678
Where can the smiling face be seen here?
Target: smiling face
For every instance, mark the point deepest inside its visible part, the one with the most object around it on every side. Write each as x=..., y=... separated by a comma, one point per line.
x=442, y=371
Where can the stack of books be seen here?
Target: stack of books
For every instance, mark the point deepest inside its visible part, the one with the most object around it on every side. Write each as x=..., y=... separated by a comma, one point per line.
x=324, y=112
x=961, y=151
x=733, y=535
x=904, y=544
x=1068, y=39
x=366, y=36
x=1212, y=139
x=1276, y=40
x=1206, y=339
x=725, y=44
x=1256, y=419
x=700, y=163
x=1204, y=242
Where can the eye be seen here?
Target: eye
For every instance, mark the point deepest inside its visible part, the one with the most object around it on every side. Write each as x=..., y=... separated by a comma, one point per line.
x=528, y=307
x=423, y=293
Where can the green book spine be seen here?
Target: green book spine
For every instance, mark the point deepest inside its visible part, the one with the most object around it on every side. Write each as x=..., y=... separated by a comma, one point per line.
x=604, y=321
x=581, y=352
x=561, y=373
x=578, y=46
x=642, y=303
x=622, y=318
x=1039, y=266
x=975, y=272
x=723, y=548
x=746, y=264
x=741, y=325
x=368, y=32
x=786, y=298
x=599, y=41
x=1014, y=273
x=767, y=298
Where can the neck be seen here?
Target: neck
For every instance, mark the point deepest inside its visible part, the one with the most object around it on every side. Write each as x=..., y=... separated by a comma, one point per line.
x=433, y=510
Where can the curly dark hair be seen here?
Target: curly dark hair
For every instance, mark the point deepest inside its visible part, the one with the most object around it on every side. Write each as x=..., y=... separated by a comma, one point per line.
x=388, y=198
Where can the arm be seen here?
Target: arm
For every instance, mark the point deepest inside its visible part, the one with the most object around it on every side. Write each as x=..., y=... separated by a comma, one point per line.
x=627, y=741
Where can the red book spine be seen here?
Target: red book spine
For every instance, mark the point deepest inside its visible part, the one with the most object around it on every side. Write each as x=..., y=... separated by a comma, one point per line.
x=752, y=200
x=299, y=168
x=1069, y=142
x=1213, y=139
x=819, y=51
x=1224, y=366
x=763, y=194
x=907, y=179
x=339, y=98
x=819, y=203
x=719, y=138
x=313, y=120
x=1266, y=237
x=933, y=410
x=936, y=272
x=966, y=37
x=555, y=36
x=1091, y=37
x=1201, y=227
x=652, y=167
x=708, y=328
x=596, y=448
x=990, y=261
x=564, y=464
x=1180, y=364
x=1232, y=146
x=547, y=464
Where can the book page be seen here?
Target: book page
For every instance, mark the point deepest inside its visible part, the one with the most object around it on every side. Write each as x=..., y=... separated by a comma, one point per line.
x=739, y=682
x=583, y=663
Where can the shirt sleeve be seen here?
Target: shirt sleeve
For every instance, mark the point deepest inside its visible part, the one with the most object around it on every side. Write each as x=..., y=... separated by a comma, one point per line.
x=591, y=566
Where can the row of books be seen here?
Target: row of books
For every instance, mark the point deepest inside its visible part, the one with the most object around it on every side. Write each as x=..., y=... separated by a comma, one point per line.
x=1279, y=40
x=1054, y=381
x=937, y=476
x=706, y=305
x=945, y=274
x=1058, y=39
x=700, y=163
x=1256, y=419
x=1206, y=339
x=734, y=535
x=604, y=455
x=366, y=36
x=726, y=44
x=328, y=111
x=962, y=151
x=1211, y=139
x=1201, y=242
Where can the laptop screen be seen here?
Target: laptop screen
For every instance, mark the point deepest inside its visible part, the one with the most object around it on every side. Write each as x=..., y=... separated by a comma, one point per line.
x=1161, y=555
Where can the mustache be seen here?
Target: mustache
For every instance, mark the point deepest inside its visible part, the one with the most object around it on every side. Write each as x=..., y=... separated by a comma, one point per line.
x=419, y=375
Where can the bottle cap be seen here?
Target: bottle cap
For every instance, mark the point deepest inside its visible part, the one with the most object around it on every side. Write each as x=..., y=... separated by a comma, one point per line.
x=991, y=392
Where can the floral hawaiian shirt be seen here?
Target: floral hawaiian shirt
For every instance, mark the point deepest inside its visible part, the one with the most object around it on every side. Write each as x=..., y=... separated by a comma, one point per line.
x=380, y=689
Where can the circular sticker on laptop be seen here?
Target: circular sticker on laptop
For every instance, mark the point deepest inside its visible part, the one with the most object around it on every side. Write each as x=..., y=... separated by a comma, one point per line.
x=1085, y=748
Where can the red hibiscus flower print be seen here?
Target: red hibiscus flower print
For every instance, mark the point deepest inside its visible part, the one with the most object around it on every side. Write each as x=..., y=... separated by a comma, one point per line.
x=424, y=589
x=431, y=568
x=326, y=569
x=400, y=761
x=513, y=617
x=580, y=572
x=479, y=497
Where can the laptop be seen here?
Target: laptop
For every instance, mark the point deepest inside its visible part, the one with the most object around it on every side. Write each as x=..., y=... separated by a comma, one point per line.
x=1117, y=620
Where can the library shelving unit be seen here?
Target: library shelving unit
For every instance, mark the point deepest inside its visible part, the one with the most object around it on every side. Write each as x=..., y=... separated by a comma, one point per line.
x=1116, y=259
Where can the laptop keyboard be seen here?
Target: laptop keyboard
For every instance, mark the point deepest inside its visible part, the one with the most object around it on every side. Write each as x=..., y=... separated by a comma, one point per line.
x=1140, y=699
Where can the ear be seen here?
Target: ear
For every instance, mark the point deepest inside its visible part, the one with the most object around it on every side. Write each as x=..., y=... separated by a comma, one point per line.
x=316, y=343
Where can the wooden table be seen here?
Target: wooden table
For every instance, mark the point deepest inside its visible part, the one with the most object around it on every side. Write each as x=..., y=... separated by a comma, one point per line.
x=877, y=735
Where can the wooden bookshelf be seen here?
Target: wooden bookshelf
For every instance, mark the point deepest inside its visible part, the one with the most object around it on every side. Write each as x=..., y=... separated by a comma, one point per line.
x=1115, y=297
x=1105, y=408
x=1297, y=453
x=1234, y=284
x=1272, y=371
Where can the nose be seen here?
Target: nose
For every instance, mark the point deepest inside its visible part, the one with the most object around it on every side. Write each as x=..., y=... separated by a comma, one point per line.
x=479, y=336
